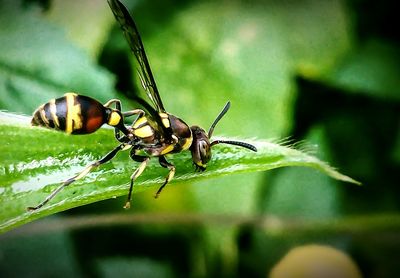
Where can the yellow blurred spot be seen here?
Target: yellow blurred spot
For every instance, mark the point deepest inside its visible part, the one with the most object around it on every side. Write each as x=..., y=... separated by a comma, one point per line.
x=315, y=261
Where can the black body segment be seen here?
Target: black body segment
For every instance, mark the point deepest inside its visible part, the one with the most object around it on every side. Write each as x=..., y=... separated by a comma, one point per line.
x=72, y=113
x=183, y=133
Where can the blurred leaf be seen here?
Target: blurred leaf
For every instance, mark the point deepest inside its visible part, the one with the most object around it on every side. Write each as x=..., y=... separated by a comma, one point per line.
x=317, y=33
x=133, y=267
x=302, y=193
x=45, y=247
x=37, y=63
x=86, y=22
x=396, y=149
x=373, y=69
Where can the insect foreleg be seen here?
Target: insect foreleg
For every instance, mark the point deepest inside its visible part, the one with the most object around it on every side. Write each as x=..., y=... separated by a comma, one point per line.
x=164, y=163
x=87, y=169
x=144, y=160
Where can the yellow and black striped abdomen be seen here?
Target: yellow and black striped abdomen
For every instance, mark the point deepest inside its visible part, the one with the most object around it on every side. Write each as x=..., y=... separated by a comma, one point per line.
x=72, y=113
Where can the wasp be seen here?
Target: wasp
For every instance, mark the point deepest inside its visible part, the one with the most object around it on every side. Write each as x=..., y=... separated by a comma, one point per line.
x=154, y=133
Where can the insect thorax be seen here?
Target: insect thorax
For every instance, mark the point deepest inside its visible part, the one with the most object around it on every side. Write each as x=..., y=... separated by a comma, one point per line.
x=173, y=137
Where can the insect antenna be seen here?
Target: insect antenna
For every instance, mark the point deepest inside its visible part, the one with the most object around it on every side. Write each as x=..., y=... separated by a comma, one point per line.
x=236, y=143
x=221, y=114
x=230, y=142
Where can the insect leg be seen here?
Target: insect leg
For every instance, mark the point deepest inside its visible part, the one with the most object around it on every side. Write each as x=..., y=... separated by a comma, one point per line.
x=139, y=112
x=88, y=168
x=144, y=160
x=114, y=100
x=164, y=163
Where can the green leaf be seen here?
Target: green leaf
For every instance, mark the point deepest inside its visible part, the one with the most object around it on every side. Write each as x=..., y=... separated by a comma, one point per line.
x=34, y=161
x=372, y=69
x=297, y=199
x=86, y=22
x=38, y=63
x=317, y=34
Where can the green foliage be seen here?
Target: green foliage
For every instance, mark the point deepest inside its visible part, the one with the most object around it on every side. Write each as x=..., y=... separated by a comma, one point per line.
x=38, y=63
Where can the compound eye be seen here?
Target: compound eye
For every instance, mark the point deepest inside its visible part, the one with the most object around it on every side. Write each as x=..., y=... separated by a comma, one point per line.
x=205, y=153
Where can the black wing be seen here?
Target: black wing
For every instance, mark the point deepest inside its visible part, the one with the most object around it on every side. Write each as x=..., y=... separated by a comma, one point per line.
x=131, y=33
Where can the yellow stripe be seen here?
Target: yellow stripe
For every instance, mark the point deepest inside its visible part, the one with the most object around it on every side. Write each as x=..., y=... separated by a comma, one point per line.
x=43, y=115
x=143, y=132
x=187, y=144
x=168, y=149
x=165, y=119
x=73, y=114
x=139, y=122
x=199, y=163
x=53, y=111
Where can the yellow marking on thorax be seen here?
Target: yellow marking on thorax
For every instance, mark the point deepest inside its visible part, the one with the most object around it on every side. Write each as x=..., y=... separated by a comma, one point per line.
x=53, y=112
x=115, y=118
x=143, y=132
x=139, y=122
x=73, y=114
x=165, y=119
x=43, y=115
x=168, y=149
x=188, y=143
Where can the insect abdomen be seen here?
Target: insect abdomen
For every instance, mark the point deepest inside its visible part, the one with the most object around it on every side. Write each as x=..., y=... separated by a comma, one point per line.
x=72, y=113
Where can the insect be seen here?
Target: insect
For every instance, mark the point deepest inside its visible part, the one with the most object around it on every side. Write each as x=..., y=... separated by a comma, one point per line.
x=152, y=134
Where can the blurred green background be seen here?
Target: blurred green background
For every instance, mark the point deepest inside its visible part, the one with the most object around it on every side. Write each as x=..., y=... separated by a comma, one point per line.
x=324, y=73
